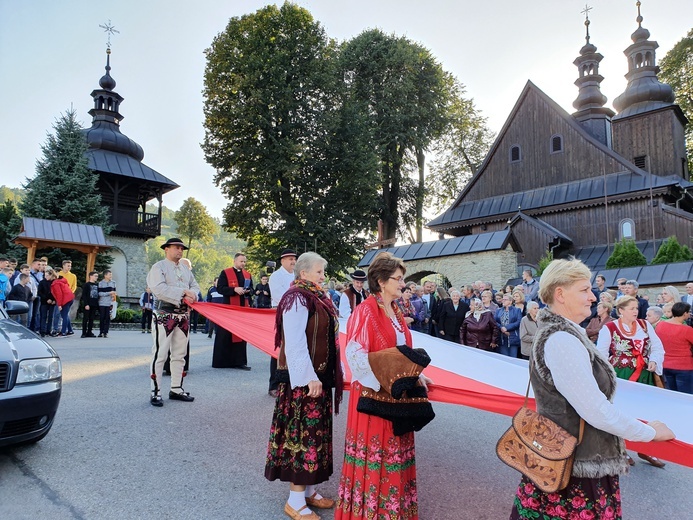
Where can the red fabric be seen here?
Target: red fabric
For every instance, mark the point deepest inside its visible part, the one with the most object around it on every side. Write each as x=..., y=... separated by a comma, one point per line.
x=257, y=327
x=61, y=291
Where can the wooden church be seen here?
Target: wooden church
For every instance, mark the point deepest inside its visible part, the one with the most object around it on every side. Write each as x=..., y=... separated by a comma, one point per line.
x=577, y=183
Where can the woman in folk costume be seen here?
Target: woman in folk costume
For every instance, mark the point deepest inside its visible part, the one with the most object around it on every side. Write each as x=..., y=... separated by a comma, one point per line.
x=633, y=349
x=379, y=472
x=572, y=381
x=308, y=367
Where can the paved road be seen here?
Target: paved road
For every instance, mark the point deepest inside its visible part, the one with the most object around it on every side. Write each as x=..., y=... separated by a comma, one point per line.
x=111, y=455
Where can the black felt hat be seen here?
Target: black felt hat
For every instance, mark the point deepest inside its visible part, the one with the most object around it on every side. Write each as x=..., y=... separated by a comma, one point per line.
x=173, y=242
x=287, y=252
x=359, y=275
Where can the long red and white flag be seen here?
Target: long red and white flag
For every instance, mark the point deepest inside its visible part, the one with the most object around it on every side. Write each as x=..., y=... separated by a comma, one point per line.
x=488, y=381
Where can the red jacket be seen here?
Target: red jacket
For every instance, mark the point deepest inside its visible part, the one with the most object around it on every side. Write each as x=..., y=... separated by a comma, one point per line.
x=61, y=290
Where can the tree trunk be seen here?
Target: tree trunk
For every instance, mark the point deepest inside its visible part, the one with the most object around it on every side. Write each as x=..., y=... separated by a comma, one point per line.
x=420, y=162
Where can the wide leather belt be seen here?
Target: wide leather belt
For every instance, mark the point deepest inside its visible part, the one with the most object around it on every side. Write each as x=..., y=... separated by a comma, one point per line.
x=169, y=307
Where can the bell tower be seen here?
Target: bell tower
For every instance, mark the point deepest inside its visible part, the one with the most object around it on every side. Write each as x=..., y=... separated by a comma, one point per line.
x=648, y=128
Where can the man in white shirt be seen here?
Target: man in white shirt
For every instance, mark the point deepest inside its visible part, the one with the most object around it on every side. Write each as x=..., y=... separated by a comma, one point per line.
x=279, y=283
x=353, y=295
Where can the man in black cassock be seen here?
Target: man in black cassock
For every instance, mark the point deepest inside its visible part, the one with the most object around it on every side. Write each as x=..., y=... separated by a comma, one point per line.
x=236, y=285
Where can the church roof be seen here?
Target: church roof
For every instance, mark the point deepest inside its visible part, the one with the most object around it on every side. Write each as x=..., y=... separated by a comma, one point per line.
x=581, y=191
x=494, y=241
x=664, y=274
x=595, y=257
x=125, y=165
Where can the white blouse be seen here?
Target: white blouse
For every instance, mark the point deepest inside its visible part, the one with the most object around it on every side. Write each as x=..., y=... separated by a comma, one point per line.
x=656, y=347
x=357, y=359
x=301, y=370
x=571, y=369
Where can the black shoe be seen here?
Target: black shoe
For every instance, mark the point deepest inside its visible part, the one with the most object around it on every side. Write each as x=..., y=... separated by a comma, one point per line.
x=43, y=334
x=183, y=396
x=156, y=400
x=242, y=367
x=84, y=336
x=101, y=335
x=143, y=331
x=91, y=335
x=167, y=372
x=105, y=335
x=71, y=333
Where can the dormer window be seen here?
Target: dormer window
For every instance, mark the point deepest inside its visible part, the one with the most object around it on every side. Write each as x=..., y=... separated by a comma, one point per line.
x=556, y=143
x=515, y=154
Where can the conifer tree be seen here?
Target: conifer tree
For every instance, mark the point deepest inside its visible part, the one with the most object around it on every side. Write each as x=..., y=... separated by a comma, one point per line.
x=672, y=251
x=64, y=188
x=626, y=254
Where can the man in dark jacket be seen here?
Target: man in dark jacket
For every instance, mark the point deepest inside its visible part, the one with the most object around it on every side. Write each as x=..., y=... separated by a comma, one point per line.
x=90, y=304
x=21, y=292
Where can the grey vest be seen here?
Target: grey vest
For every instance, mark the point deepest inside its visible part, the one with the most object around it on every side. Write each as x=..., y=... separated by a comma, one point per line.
x=600, y=453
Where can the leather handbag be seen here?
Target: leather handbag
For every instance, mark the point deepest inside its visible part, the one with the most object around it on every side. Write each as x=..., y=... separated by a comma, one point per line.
x=539, y=448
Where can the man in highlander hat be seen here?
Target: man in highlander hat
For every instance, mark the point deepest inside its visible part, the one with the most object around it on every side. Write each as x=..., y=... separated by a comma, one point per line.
x=174, y=287
x=353, y=295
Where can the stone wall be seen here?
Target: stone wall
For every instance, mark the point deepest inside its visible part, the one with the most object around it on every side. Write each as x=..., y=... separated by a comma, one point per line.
x=496, y=267
x=129, y=266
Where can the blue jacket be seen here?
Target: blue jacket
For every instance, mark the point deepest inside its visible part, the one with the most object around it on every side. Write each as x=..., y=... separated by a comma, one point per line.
x=513, y=326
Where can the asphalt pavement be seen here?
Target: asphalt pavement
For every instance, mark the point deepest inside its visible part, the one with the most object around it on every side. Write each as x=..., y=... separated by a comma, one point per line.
x=111, y=455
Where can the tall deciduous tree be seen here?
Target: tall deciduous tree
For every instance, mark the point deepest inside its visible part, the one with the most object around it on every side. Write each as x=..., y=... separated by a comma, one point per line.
x=291, y=154
x=677, y=70
x=405, y=93
x=458, y=152
x=194, y=222
x=64, y=188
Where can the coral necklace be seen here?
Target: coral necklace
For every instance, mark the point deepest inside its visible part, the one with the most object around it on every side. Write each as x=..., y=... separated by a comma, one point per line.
x=626, y=331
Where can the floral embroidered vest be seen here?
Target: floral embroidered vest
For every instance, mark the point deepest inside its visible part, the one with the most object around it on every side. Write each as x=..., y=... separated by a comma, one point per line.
x=623, y=350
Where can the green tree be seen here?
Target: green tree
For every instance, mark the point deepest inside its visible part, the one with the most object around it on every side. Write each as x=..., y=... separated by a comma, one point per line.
x=626, y=254
x=194, y=222
x=64, y=188
x=672, y=251
x=291, y=154
x=676, y=69
x=458, y=152
x=544, y=262
x=405, y=93
x=10, y=227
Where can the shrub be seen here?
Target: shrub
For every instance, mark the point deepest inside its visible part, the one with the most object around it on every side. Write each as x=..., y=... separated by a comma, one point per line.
x=671, y=251
x=127, y=316
x=544, y=261
x=626, y=254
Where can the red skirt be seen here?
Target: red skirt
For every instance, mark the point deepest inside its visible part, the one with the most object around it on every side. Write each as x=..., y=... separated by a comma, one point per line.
x=379, y=472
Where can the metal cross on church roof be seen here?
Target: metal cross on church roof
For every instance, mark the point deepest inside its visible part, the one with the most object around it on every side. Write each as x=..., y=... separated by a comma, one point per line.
x=109, y=29
x=586, y=12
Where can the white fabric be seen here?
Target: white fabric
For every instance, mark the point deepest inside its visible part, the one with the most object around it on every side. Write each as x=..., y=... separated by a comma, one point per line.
x=511, y=374
x=656, y=347
x=569, y=363
x=301, y=371
x=279, y=282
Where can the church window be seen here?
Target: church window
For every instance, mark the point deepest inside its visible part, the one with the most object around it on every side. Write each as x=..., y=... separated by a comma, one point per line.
x=627, y=228
x=556, y=143
x=640, y=161
x=515, y=154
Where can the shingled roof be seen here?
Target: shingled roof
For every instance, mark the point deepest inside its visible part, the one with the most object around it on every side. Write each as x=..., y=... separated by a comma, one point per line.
x=494, y=241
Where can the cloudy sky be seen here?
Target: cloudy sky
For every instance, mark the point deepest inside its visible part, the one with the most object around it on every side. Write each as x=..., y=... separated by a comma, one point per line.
x=52, y=55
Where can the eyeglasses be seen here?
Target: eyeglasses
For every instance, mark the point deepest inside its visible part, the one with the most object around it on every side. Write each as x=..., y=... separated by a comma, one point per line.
x=399, y=279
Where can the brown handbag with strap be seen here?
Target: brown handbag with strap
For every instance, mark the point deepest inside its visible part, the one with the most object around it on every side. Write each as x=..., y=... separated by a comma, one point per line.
x=540, y=449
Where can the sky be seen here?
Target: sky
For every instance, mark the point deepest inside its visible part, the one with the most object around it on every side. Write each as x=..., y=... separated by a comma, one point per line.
x=52, y=55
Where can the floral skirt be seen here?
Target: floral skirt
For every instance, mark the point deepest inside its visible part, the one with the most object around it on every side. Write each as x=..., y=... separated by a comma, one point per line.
x=300, y=443
x=583, y=499
x=379, y=473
